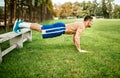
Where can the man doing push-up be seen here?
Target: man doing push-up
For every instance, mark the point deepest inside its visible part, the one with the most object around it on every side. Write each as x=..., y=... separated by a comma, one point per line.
x=57, y=29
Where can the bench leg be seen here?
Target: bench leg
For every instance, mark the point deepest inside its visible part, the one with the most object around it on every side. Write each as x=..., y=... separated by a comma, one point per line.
x=0, y=54
x=30, y=35
x=18, y=41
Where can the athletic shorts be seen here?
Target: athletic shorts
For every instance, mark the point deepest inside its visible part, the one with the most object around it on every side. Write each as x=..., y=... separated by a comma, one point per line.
x=53, y=30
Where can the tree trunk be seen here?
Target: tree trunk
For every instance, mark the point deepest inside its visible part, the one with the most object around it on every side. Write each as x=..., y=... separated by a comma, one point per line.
x=30, y=10
x=5, y=15
x=14, y=10
x=41, y=15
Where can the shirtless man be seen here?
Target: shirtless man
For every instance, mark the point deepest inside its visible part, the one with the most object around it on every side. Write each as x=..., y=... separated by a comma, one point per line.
x=57, y=29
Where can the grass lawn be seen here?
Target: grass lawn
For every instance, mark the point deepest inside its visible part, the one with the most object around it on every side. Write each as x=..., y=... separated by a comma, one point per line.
x=58, y=57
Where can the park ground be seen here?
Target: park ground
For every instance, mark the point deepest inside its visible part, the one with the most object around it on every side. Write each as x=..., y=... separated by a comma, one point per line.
x=58, y=57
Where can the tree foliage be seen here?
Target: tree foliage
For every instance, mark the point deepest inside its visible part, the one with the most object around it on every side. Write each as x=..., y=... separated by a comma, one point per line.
x=116, y=12
x=106, y=9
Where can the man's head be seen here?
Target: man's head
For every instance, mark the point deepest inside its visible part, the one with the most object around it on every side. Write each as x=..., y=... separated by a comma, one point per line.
x=88, y=21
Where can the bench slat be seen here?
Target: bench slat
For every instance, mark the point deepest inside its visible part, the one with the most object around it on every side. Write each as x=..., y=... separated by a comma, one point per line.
x=9, y=49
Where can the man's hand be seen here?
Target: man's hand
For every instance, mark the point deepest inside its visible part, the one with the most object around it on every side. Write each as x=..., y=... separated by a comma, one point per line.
x=82, y=51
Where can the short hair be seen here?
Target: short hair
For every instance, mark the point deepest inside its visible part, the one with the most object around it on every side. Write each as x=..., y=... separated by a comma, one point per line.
x=88, y=18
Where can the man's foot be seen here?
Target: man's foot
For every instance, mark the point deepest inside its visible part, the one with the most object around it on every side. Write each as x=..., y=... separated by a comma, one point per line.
x=20, y=21
x=16, y=27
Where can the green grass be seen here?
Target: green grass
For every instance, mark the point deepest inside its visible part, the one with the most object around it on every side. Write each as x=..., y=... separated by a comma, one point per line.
x=58, y=57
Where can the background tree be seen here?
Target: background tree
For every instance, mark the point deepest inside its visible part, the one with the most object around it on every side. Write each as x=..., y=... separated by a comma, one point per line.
x=116, y=11
x=104, y=9
x=110, y=7
x=107, y=8
x=66, y=10
x=77, y=9
x=89, y=8
x=95, y=7
x=1, y=12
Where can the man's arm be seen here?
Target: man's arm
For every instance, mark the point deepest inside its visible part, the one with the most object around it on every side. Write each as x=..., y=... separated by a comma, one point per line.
x=76, y=43
x=76, y=39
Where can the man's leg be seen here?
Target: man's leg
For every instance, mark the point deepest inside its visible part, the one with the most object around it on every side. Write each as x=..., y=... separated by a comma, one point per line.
x=32, y=26
x=20, y=24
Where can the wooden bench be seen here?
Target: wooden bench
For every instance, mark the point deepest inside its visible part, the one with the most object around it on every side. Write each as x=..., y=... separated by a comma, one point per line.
x=15, y=40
